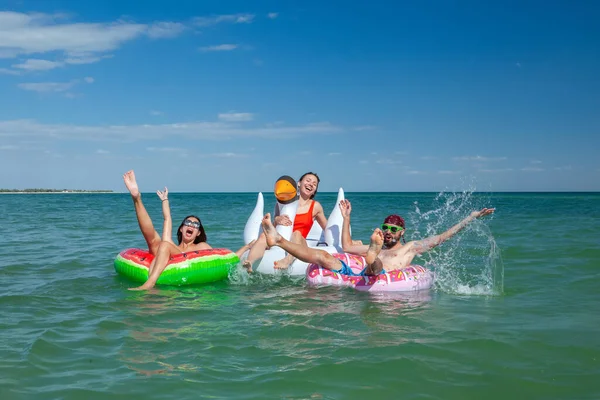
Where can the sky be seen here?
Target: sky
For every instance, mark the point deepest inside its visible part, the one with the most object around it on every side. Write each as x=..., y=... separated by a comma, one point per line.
x=211, y=96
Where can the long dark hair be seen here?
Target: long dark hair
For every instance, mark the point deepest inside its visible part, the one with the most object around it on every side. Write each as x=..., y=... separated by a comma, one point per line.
x=199, y=239
x=318, y=181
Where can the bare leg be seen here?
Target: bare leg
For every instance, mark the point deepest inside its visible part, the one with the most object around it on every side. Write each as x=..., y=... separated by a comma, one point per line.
x=300, y=251
x=374, y=264
x=256, y=252
x=285, y=262
x=165, y=251
x=151, y=267
x=150, y=235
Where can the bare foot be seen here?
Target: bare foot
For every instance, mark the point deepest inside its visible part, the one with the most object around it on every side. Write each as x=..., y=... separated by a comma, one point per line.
x=131, y=184
x=247, y=266
x=270, y=232
x=374, y=246
x=284, y=263
x=143, y=287
x=149, y=284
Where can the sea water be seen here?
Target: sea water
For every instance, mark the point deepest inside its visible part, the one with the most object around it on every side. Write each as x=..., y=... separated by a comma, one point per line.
x=514, y=313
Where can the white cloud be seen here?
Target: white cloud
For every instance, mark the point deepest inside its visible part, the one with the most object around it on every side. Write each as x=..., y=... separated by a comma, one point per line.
x=498, y=170
x=225, y=155
x=228, y=18
x=532, y=169
x=388, y=161
x=48, y=87
x=563, y=168
x=167, y=149
x=363, y=162
x=101, y=151
x=84, y=58
x=535, y=162
x=478, y=158
x=9, y=71
x=335, y=154
x=9, y=147
x=75, y=42
x=236, y=117
x=272, y=15
x=202, y=130
x=364, y=128
x=448, y=172
x=161, y=30
x=414, y=172
x=156, y=113
x=34, y=64
x=401, y=153
x=220, y=47
x=45, y=87
x=428, y=158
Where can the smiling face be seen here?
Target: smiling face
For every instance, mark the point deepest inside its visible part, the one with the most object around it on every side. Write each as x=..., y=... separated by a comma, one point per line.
x=308, y=185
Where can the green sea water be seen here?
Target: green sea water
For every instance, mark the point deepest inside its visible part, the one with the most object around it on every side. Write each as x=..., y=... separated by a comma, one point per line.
x=515, y=311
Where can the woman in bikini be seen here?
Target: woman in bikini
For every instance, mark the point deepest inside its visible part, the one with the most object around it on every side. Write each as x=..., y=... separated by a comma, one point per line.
x=309, y=211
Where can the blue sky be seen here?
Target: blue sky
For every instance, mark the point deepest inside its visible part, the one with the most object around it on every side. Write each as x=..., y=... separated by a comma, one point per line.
x=230, y=95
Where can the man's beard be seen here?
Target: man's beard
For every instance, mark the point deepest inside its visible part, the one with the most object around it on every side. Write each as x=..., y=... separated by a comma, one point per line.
x=389, y=244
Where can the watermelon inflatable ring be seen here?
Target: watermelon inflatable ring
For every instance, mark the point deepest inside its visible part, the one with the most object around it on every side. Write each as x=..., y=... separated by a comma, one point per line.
x=194, y=267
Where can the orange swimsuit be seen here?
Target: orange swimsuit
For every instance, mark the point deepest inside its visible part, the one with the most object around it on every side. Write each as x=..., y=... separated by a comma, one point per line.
x=303, y=222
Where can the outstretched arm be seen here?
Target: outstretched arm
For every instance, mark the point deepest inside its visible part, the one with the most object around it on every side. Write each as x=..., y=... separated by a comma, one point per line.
x=168, y=223
x=347, y=245
x=421, y=246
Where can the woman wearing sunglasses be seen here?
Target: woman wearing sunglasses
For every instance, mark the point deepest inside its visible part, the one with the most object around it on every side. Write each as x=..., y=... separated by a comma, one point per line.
x=384, y=253
x=308, y=212
x=190, y=234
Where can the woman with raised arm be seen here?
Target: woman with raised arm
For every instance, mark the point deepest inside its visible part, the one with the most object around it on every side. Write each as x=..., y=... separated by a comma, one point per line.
x=190, y=234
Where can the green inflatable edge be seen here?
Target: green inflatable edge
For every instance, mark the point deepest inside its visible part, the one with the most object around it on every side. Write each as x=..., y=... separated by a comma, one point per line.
x=189, y=272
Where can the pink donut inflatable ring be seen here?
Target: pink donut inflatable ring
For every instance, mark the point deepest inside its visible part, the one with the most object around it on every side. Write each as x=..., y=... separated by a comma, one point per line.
x=409, y=279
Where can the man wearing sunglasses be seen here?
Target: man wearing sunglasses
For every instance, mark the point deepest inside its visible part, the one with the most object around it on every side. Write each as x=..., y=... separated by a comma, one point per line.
x=385, y=252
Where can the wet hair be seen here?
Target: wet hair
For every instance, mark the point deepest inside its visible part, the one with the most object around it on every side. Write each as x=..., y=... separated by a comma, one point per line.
x=199, y=239
x=318, y=181
x=397, y=220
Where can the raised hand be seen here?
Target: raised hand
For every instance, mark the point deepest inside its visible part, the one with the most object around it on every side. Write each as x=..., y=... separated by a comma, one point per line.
x=163, y=195
x=345, y=208
x=483, y=212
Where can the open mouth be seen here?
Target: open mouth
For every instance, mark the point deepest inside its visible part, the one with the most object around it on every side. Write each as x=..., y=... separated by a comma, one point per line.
x=189, y=231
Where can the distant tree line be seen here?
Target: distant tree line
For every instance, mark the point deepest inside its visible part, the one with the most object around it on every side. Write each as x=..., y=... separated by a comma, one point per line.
x=37, y=190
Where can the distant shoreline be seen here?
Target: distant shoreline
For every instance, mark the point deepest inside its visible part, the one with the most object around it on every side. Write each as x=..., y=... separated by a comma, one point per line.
x=57, y=192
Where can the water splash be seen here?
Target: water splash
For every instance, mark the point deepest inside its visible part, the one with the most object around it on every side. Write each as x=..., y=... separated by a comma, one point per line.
x=468, y=263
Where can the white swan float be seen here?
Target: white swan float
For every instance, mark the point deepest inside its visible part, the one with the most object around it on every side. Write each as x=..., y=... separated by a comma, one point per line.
x=329, y=240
